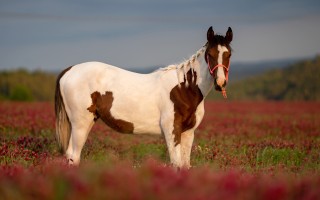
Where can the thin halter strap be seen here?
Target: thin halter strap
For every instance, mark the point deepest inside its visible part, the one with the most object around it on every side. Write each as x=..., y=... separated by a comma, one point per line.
x=215, y=67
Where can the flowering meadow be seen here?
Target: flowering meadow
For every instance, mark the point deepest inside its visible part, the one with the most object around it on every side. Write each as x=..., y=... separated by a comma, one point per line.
x=242, y=150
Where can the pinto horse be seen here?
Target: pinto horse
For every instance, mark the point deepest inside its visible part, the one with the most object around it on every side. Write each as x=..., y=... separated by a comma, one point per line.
x=169, y=101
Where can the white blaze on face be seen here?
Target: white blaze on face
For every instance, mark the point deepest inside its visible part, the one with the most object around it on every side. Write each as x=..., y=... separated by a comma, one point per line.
x=220, y=72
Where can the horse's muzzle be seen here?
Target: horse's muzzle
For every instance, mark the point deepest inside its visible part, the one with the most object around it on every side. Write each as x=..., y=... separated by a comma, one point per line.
x=219, y=85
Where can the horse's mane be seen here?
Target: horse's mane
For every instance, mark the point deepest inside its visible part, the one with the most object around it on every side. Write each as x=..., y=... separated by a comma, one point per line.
x=183, y=67
x=185, y=63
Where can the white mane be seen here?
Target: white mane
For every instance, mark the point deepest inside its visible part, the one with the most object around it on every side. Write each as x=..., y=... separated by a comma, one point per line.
x=183, y=67
x=185, y=62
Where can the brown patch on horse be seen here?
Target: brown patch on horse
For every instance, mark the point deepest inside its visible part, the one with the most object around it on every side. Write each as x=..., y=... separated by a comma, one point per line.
x=101, y=105
x=186, y=100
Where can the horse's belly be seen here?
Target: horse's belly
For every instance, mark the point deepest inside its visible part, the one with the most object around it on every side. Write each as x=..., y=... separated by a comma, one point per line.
x=144, y=115
x=143, y=123
x=146, y=128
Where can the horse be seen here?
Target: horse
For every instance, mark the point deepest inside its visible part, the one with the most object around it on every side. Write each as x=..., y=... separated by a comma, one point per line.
x=168, y=101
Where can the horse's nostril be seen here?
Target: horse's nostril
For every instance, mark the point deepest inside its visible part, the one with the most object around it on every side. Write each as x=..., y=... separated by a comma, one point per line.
x=218, y=88
x=224, y=84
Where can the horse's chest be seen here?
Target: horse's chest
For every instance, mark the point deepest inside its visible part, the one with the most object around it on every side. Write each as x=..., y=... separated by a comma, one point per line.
x=186, y=99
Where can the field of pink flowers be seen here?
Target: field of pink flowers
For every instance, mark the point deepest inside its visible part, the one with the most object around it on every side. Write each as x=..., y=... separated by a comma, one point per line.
x=242, y=150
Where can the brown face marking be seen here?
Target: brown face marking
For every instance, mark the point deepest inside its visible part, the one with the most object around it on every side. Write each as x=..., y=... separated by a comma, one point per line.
x=185, y=100
x=101, y=105
x=226, y=58
x=212, y=54
x=212, y=51
x=212, y=47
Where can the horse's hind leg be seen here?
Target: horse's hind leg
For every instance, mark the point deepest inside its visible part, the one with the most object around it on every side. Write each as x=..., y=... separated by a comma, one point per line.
x=79, y=134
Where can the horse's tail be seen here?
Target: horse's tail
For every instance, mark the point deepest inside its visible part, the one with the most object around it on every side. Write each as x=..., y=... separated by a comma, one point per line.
x=63, y=126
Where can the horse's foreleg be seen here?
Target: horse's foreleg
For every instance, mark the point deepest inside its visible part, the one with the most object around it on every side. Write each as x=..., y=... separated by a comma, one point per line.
x=173, y=149
x=186, y=146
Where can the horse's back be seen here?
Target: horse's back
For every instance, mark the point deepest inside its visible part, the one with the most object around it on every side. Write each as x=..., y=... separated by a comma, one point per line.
x=134, y=97
x=95, y=74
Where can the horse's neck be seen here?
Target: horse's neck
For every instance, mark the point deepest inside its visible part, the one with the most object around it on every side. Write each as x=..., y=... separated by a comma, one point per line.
x=206, y=81
x=200, y=74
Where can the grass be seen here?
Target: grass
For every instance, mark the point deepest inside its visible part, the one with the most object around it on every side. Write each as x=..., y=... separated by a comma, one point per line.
x=242, y=150
x=273, y=156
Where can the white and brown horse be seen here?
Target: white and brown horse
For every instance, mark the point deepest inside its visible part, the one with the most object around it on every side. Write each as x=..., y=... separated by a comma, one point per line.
x=169, y=101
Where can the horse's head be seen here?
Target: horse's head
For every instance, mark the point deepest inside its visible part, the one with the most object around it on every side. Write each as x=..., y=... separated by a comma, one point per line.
x=217, y=56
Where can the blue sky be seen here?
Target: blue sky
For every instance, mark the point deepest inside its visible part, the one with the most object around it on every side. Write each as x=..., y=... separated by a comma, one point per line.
x=52, y=35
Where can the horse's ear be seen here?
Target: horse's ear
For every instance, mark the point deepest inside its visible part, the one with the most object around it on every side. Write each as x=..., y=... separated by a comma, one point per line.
x=210, y=34
x=229, y=35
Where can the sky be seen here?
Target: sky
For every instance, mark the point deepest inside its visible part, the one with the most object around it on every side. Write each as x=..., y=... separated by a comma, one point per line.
x=52, y=35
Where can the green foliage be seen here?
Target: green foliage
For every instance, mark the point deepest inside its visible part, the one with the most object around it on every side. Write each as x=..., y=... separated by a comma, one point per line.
x=156, y=150
x=300, y=81
x=20, y=93
x=270, y=156
x=21, y=85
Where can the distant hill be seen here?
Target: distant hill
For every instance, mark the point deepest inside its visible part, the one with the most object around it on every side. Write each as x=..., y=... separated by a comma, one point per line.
x=22, y=85
x=299, y=81
x=242, y=70
x=239, y=70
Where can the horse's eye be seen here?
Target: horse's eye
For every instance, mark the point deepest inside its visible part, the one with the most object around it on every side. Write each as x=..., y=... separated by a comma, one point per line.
x=227, y=55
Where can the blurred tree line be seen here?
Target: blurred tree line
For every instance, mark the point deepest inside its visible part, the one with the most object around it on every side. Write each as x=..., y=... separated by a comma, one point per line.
x=22, y=85
x=300, y=81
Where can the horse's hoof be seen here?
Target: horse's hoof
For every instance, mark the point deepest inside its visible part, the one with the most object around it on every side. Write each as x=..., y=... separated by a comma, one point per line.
x=70, y=161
